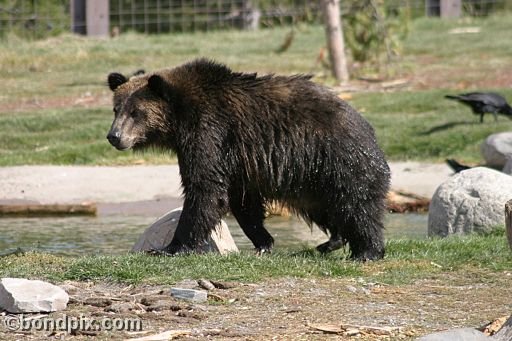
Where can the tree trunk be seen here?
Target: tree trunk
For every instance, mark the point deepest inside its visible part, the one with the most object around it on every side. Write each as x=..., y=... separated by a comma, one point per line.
x=335, y=43
x=508, y=221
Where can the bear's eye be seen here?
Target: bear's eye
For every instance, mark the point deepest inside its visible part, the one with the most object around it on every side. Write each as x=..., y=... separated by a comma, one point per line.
x=135, y=113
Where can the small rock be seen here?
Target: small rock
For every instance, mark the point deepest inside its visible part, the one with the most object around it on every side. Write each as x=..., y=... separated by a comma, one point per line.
x=160, y=234
x=461, y=334
x=189, y=294
x=496, y=147
x=206, y=284
x=19, y=295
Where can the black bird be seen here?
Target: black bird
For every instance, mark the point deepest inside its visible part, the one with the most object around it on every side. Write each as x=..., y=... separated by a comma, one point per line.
x=457, y=167
x=484, y=103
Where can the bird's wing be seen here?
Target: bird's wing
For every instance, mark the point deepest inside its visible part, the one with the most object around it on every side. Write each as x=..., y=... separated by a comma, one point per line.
x=487, y=98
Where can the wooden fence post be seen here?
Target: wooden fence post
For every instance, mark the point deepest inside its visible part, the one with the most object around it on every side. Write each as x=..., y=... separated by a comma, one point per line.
x=508, y=221
x=97, y=17
x=451, y=8
x=78, y=17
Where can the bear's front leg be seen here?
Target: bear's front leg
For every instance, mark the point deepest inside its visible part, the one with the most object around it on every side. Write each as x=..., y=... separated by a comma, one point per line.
x=202, y=211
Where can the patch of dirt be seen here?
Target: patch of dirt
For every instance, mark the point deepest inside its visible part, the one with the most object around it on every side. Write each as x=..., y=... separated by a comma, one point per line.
x=460, y=77
x=291, y=308
x=86, y=100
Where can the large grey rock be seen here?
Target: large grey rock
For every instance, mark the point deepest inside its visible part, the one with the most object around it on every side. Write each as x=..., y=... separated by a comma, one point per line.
x=19, y=295
x=470, y=201
x=495, y=149
x=461, y=334
x=160, y=233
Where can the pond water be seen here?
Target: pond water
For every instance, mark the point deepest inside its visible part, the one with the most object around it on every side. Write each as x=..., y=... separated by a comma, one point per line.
x=117, y=234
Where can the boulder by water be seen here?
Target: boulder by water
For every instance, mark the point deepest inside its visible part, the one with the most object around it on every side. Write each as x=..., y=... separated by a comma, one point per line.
x=470, y=201
x=19, y=295
x=160, y=233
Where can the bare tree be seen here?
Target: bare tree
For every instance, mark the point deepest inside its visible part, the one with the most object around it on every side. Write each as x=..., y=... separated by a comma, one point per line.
x=335, y=42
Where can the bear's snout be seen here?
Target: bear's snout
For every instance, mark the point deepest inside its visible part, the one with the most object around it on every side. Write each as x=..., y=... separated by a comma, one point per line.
x=114, y=137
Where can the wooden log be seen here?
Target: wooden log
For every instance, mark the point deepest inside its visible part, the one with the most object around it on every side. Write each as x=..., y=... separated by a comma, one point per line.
x=505, y=333
x=403, y=202
x=38, y=210
x=508, y=221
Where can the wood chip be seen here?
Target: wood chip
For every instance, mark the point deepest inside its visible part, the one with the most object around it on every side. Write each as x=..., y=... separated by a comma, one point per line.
x=165, y=336
x=327, y=328
x=353, y=330
x=373, y=330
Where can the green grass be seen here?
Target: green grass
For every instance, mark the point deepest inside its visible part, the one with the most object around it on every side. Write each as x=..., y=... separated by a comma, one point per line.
x=422, y=125
x=69, y=136
x=419, y=126
x=411, y=125
x=405, y=261
x=72, y=65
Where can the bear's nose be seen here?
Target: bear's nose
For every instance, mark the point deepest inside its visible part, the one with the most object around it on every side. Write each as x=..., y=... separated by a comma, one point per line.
x=114, y=138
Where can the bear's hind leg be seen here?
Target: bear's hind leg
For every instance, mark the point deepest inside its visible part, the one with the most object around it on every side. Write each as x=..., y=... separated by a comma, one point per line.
x=249, y=211
x=335, y=241
x=363, y=234
x=365, y=238
x=332, y=244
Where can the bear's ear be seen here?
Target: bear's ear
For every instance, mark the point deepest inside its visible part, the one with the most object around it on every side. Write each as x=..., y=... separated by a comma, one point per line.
x=160, y=87
x=115, y=80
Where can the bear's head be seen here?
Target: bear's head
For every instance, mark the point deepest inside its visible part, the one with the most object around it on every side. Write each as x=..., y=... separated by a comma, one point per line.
x=143, y=111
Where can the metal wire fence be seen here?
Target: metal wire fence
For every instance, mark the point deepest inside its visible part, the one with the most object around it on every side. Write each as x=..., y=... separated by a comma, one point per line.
x=36, y=19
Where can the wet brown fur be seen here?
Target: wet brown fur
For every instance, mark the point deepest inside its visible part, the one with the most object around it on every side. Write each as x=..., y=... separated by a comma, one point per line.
x=244, y=140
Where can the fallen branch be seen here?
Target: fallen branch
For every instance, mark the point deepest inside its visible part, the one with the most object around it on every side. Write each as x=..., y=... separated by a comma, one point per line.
x=37, y=210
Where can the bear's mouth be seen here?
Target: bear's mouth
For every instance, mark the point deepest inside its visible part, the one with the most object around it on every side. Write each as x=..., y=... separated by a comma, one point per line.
x=121, y=144
x=122, y=148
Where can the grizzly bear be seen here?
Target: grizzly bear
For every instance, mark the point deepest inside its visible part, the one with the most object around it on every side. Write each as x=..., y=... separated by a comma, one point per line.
x=243, y=141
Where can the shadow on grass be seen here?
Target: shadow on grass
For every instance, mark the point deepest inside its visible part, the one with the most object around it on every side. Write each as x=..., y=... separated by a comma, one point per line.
x=446, y=126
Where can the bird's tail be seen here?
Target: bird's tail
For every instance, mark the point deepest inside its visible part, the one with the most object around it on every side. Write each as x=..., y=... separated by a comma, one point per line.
x=507, y=111
x=457, y=167
x=452, y=97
